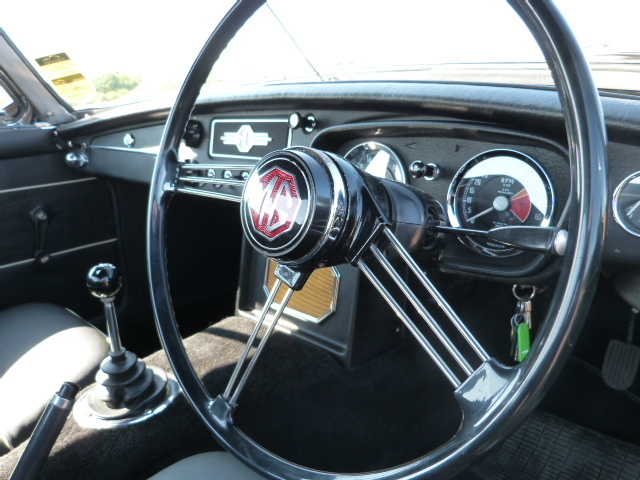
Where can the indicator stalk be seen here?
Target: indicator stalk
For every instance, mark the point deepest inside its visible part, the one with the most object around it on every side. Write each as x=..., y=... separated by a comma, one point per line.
x=546, y=240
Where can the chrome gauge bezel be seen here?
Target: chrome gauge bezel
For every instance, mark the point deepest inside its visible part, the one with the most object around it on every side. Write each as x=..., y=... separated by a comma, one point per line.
x=615, y=205
x=392, y=155
x=453, y=214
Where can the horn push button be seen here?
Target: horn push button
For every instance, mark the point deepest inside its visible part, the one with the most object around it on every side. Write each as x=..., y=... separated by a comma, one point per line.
x=294, y=205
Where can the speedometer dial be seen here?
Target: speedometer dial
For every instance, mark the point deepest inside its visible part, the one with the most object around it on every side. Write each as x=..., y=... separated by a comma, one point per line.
x=497, y=189
x=378, y=160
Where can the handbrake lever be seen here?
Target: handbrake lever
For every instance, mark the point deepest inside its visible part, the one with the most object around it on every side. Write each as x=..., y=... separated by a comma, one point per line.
x=46, y=433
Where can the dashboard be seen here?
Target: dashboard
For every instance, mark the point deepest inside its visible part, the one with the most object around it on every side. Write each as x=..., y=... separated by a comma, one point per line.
x=487, y=163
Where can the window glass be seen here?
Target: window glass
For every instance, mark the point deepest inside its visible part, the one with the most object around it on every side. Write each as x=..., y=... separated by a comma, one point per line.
x=6, y=102
x=127, y=50
x=9, y=107
x=101, y=54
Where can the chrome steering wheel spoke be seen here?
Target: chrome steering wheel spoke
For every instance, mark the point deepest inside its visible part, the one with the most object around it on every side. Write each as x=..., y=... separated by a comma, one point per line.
x=451, y=376
x=442, y=303
x=397, y=247
x=233, y=389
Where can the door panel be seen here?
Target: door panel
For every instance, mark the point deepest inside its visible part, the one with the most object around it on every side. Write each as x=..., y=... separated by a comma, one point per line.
x=80, y=224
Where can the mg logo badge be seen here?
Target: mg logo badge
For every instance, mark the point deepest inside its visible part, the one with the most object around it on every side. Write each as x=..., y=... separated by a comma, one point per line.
x=274, y=211
x=245, y=139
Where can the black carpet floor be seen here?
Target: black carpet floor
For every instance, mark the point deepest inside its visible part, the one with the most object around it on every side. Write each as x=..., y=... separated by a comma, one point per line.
x=303, y=405
x=300, y=403
x=545, y=447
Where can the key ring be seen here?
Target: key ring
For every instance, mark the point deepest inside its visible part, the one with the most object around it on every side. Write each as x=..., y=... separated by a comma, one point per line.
x=524, y=297
x=517, y=319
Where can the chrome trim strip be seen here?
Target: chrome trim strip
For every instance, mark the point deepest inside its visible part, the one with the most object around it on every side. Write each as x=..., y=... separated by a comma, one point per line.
x=218, y=166
x=45, y=185
x=83, y=247
x=213, y=181
x=15, y=264
x=244, y=120
x=206, y=193
x=61, y=252
x=147, y=151
x=60, y=402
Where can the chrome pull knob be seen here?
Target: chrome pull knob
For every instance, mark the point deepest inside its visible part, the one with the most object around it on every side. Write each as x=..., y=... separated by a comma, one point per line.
x=76, y=159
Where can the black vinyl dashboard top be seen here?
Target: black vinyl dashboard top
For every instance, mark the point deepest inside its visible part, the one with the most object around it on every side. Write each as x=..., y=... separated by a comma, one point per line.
x=444, y=123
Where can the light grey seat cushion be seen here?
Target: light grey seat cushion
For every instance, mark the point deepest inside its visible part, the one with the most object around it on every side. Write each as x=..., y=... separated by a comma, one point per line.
x=208, y=466
x=41, y=346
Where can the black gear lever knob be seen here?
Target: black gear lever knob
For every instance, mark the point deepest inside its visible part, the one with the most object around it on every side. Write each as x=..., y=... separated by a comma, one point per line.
x=104, y=281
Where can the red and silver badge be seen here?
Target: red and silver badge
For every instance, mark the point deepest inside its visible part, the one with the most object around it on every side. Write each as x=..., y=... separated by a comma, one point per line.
x=275, y=206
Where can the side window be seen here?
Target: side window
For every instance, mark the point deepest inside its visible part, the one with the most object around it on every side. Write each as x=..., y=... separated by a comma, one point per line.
x=8, y=105
x=13, y=109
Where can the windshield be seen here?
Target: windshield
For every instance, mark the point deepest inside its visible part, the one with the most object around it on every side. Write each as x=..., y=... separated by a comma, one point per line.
x=129, y=52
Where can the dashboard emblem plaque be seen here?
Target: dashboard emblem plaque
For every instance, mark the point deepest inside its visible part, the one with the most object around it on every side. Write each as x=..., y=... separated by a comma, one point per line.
x=274, y=210
x=245, y=139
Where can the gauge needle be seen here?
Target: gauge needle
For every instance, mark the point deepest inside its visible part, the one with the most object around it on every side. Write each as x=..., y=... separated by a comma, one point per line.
x=499, y=203
x=480, y=214
x=633, y=209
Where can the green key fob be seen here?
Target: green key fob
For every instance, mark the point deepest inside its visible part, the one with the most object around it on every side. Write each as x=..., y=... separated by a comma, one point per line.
x=524, y=341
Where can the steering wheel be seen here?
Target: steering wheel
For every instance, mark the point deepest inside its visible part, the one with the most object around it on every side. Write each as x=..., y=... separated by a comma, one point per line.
x=343, y=215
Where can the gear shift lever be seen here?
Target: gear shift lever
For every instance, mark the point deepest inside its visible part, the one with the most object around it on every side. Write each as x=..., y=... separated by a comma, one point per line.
x=127, y=389
x=104, y=283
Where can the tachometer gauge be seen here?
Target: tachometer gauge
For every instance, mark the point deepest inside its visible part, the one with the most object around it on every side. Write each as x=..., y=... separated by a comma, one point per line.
x=497, y=189
x=378, y=160
x=626, y=204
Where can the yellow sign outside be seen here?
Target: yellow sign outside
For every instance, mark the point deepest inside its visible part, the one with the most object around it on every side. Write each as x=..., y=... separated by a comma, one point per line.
x=69, y=81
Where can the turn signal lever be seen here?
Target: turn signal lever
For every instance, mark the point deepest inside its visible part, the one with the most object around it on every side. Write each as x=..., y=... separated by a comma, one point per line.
x=126, y=387
x=547, y=240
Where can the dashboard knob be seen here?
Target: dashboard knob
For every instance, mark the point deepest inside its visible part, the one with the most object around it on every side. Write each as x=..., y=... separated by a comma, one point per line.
x=193, y=134
x=76, y=159
x=430, y=171
x=308, y=122
x=103, y=280
x=417, y=169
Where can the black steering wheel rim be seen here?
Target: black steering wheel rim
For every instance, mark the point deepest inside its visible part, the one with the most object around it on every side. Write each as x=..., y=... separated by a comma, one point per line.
x=517, y=390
